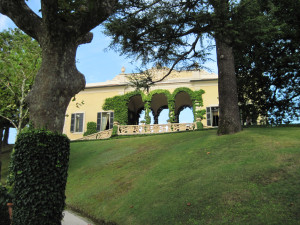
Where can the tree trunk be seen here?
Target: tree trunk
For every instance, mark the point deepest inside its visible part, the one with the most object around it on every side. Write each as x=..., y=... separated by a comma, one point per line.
x=57, y=81
x=1, y=136
x=6, y=136
x=229, y=117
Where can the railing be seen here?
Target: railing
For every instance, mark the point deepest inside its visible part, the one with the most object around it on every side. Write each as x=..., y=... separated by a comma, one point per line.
x=142, y=129
x=155, y=128
x=100, y=135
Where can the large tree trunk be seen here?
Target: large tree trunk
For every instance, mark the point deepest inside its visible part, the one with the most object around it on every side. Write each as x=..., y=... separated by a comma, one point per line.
x=56, y=83
x=229, y=118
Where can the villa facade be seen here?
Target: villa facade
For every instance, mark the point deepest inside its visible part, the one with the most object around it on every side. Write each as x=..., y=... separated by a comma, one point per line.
x=197, y=90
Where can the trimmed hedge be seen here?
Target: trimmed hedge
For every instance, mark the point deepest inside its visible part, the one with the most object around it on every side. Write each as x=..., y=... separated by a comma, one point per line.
x=91, y=128
x=40, y=165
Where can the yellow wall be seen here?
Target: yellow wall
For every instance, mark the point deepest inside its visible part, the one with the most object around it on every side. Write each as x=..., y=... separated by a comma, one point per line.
x=94, y=97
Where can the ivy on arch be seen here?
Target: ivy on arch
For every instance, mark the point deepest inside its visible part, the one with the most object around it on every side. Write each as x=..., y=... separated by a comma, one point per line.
x=119, y=103
x=197, y=101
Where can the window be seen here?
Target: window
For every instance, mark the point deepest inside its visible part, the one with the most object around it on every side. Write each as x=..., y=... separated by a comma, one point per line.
x=212, y=116
x=105, y=120
x=77, y=122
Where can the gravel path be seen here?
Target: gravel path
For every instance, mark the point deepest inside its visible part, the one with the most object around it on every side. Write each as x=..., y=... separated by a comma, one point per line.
x=71, y=218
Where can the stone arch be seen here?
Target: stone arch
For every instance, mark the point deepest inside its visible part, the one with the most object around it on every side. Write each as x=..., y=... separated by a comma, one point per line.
x=159, y=100
x=183, y=98
x=135, y=106
x=184, y=108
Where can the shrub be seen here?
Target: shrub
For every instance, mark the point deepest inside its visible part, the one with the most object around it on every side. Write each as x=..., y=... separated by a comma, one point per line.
x=115, y=131
x=91, y=128
x=39, y=167
x=199, y=126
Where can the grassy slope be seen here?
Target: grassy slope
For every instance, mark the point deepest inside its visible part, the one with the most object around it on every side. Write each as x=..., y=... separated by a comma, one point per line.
x=252, y=177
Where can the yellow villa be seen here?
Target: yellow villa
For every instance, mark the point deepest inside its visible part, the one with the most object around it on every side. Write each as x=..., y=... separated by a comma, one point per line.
x=115, y=102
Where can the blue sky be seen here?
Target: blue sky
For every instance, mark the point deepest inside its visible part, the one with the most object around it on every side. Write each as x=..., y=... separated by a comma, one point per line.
x=96, y=62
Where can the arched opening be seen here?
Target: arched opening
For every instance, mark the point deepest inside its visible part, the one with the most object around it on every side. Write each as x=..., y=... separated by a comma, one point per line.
x=163, y=116
x=142, y=117
x=182, y=101
x=186, y=115
x=135, y=106
x=158, y=103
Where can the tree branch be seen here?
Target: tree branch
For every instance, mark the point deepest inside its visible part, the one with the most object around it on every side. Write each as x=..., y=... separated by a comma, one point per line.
x=95, y=13
x=11, y=121
x=23, y=16
x=178, y=60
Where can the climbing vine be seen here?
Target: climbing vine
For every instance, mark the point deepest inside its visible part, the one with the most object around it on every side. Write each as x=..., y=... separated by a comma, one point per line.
x=120, y=104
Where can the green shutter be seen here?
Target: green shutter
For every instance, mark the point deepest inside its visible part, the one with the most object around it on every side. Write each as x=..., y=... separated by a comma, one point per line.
x=111, y=120
x=208, y=116
x=99, y=121
x=72, y=123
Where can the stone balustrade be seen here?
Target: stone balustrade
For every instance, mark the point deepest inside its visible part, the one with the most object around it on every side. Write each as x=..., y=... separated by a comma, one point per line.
x=100, y=135
x=142, y=129
x=155, y=128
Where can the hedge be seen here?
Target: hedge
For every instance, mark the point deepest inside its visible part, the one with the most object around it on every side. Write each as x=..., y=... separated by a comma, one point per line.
x=39, y=167
x=91, y=128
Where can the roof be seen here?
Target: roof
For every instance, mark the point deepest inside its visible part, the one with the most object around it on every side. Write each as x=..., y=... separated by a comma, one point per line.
x=175, y=77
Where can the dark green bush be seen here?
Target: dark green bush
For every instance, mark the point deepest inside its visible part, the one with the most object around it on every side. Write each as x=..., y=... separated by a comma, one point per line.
x=115, y=131
x=5, y=197
x=40, y=165
x=199, y=125
x=91, y=128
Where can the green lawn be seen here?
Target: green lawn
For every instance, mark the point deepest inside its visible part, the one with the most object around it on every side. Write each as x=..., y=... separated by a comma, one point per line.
x=252, y=177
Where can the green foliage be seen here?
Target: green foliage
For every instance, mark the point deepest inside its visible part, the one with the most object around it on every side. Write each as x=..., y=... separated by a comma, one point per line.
x=199, y=126
x=120, y=103
x=267, y=54
x=91, y=128
x=115, y=131
x=39, y=167
x=5, y=197
x=20, y=59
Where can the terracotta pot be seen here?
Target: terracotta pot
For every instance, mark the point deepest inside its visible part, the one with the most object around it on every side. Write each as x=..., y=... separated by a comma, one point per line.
x=10, y=208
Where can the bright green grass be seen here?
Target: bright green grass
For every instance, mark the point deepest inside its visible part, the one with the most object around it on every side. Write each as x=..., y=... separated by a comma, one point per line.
x=252, y=177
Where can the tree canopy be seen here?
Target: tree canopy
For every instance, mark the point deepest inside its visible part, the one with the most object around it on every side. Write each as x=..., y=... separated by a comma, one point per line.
x=20, y=59
x=172, y=33
x=61, y=28
x=264, y=36
x=267, y=59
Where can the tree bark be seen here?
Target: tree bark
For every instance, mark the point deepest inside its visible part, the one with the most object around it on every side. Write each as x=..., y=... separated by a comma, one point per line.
x=5, y=136
x=57, y=81
x=59, y=35
x=229, y=116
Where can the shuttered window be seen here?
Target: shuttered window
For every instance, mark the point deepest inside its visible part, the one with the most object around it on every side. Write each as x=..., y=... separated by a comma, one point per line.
x=111, y=120
x=208, y=116
x=99, y=114
x=76, y=122
x=105, y=120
